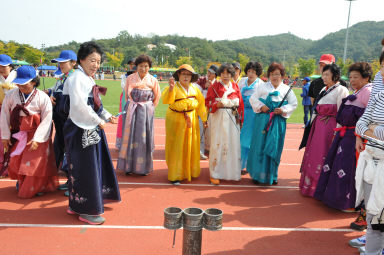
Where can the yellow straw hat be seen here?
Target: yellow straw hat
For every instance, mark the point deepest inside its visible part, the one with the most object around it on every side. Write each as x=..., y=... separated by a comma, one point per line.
x=189, y=68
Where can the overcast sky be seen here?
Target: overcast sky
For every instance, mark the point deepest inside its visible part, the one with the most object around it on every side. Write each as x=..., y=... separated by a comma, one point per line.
x=55, y=22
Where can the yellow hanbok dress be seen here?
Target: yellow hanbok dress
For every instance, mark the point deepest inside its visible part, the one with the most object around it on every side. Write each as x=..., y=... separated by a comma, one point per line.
x=182, y=144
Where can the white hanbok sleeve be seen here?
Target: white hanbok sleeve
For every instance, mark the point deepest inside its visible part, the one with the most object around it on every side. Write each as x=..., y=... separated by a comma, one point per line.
x=43, y=131
x=5, y=117
x=254, y=100
x=123, y=81
x=289, y=108
x=105, y=115
x=80, y=112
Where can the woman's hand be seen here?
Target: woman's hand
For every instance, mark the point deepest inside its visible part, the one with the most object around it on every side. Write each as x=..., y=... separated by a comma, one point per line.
x=359, y=144
x=278, y=111
x=207, y=84
x=6, y=144
x=171, y=83
x=219, y=104
x=102, y=124
x=372, y=127
x=113, y=120
x=264, y=109
x=53, y=100
x=33, y=144
x=205, y=124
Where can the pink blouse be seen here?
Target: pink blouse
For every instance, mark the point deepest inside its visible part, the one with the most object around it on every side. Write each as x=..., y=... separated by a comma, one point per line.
x=147, y=83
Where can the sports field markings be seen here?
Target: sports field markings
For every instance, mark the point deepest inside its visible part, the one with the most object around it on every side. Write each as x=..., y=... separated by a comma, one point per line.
x=192, y=185
x=13, y=225
x=163, y=146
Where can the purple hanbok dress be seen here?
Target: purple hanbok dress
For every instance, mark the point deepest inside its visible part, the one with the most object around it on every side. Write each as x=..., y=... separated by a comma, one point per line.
x=320, y=139
x=336, y=186
x=136, y=152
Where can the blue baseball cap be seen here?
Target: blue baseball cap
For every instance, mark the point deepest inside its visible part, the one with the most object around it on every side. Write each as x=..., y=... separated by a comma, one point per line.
x=65, y=56
x=306, y=79
x=24, y=75
x=5, y=60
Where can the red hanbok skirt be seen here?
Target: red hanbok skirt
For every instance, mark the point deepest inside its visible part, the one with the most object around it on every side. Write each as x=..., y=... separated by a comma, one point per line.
x=35, y=170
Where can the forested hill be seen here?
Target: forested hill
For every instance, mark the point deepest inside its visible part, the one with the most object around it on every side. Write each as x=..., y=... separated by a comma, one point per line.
x=364, y=44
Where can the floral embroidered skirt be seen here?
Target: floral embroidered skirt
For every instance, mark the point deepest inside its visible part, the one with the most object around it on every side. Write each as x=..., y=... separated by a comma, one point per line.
x=92, y=178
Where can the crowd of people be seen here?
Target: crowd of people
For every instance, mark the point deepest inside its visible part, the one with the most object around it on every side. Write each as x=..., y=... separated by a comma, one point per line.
x=239, y=123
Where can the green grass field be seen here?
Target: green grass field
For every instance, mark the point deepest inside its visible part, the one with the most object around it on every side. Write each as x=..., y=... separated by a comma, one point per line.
x=112, y=98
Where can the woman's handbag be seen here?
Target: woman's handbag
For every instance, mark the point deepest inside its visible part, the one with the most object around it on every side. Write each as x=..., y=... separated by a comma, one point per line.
x=377, y=222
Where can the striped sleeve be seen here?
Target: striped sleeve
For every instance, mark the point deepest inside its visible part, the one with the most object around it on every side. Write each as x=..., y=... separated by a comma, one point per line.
x=374, y=113
x=377, y=86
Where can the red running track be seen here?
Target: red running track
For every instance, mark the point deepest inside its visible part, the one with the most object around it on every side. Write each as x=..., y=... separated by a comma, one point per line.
x=257, y=219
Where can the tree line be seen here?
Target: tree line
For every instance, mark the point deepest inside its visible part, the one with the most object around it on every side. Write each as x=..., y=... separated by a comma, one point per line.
x=299, y=55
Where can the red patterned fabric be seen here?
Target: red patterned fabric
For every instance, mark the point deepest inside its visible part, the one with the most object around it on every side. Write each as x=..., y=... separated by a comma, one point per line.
x=35, y=170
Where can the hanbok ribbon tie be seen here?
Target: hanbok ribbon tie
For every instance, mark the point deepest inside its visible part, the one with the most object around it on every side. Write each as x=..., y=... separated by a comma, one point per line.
x=326, y=118
x=342, y=130
x=22, y=137
x=351, y=98
x=271, y=114
x=96, y=91
x=15, y=116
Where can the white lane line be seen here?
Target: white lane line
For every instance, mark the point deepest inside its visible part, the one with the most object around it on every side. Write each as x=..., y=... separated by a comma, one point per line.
x=210, y=185
x=163, y=146
x=14, y=225
x=206, y=161
x=192, y=185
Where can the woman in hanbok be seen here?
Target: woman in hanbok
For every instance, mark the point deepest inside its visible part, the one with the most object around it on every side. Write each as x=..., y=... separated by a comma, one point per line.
x=321, y=129
x=226, y=108
x=248, y=87
x=67, y=61
x=7, y=75
x=182, y=142
x=92, y=179
x=273, y=102
x=142, y=93
x=26, y=124
x=123, y=102
x=336, y=186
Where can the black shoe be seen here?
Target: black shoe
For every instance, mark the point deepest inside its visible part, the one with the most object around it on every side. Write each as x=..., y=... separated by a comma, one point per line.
x=128, y=173
x=176, y=183
x=256, y=182
x=274, y=183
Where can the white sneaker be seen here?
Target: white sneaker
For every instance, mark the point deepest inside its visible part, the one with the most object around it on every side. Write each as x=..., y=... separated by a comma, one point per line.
x=202, y=156
x=358, y=242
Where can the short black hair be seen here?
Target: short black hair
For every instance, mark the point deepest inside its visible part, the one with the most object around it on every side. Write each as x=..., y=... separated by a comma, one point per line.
x=381, y=57
x=335, y=70
x=255, y=66
x=363, y=68
x=87, y=49
x=226, y=67
x=36, y=80
x=143, y=58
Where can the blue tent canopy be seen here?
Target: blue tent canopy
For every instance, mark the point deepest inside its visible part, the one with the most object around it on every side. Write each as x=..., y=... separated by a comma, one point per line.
x=48, y=68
